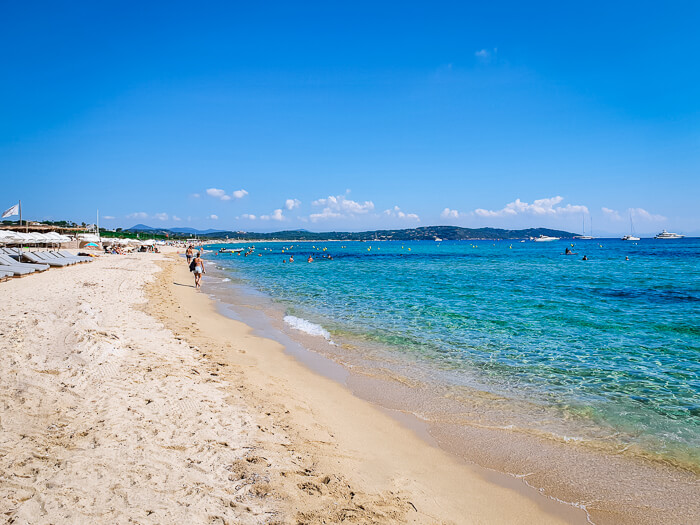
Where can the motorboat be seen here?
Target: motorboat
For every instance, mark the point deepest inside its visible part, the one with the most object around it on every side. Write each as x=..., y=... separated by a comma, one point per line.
x=230, y=250
x=545, y=238
x=668, y=235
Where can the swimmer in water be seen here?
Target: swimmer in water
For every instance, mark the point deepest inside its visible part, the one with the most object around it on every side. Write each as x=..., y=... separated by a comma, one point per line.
x=585, y=258
x=291, y=258
x=310, y=259
x=567, y=251
x=627, y=258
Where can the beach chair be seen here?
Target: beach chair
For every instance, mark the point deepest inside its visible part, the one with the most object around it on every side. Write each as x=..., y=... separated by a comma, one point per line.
x=36, y=258
x=6, y=260
x=4, y=276
x=16, y=269
x=53, y=256
x=68, y=255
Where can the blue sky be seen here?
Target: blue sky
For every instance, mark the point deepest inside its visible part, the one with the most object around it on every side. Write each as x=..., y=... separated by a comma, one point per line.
x=269, y=116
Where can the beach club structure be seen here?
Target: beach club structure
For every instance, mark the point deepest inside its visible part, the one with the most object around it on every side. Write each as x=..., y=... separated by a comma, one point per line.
x=25, y=253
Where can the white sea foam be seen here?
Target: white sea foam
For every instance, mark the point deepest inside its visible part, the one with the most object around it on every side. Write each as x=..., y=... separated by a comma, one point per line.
x=307, y=326
x=225, y=280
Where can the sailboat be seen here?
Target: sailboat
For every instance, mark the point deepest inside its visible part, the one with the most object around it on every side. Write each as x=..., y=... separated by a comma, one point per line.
x=583, y=229
x=631, y=236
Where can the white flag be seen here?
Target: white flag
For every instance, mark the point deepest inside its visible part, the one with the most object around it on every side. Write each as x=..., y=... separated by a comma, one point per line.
x=14, y=210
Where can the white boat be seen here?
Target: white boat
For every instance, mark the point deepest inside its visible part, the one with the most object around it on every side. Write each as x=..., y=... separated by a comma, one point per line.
x=631, y=236
x=438, y=239
x=668, y=235
x=583, y=230
x=545, y=238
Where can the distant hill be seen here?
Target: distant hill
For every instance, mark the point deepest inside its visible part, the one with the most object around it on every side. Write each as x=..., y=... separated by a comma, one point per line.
x=425, y=233
x=194, y=231
x=145, y=228
x=429, y=233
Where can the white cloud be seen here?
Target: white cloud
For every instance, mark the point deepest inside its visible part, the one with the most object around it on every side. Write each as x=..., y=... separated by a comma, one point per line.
x=325, y=214
x=290, y=204
x=447, y=213
x=239, y=194
x=108, y=217
x=539, y=207
x=217, y=193
x=249, y=216
x=195, y=195
x=213, y=217
x=636, y=213
x=612, y=214
x=176, y=218
x=340, y=206
x=641, y=213
x=161, y=216
x=274, y=216
x=396, y=212
x=138, y=215
x=485, y=55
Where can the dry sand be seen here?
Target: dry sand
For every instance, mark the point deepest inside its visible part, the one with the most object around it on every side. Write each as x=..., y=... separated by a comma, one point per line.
x=125, y=397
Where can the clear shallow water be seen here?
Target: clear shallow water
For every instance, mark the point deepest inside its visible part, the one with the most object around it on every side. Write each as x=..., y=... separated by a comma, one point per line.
x=614, y=342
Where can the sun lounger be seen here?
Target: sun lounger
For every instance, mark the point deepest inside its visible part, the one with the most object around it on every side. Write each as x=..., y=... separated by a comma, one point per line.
x=76, y=259
x=16, y=269
x=6, y=260
x=68, y=255
x=38, y=259
x=4, y=276
x=50, y=256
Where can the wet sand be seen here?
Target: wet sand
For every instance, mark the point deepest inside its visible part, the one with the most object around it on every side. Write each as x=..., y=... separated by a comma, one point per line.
x=613, y=481
x=355, y=462
x=126, y=396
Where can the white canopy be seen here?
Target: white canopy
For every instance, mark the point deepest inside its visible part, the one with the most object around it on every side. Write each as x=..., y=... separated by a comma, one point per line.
x=13, y=237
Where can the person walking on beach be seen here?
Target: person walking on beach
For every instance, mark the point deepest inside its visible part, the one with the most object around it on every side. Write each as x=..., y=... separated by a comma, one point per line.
x=189, y=253
x=198, y=270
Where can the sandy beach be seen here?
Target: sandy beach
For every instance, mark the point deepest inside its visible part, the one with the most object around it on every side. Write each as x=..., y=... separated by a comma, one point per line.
x=127, y=398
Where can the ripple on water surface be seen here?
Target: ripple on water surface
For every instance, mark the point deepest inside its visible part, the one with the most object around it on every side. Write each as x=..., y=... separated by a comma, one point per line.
x=608, y=341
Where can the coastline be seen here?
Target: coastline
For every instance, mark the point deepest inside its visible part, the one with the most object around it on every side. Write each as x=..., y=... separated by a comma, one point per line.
x=129, y=395
x=614, y=484
x=342, y=435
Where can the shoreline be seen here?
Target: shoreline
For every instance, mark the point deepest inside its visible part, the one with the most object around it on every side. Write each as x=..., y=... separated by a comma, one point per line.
x=127, y=395
x=562, y=469
x=368, y=446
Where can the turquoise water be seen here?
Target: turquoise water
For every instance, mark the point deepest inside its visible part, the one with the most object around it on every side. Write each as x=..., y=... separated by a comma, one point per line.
x=615, y=341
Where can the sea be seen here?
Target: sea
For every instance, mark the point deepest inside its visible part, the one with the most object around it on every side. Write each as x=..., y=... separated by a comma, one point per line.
x=603, y=351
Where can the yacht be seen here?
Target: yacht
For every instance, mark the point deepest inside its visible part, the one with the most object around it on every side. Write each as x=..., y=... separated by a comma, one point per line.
x=668, y=235
x=631, y=236
x=545, y=238
x=583, y=230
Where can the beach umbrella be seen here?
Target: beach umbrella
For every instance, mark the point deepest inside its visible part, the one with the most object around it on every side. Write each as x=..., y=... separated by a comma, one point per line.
x=92, y=244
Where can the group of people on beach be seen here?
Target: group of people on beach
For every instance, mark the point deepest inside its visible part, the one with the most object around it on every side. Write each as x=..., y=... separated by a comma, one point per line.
x=196, y=264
